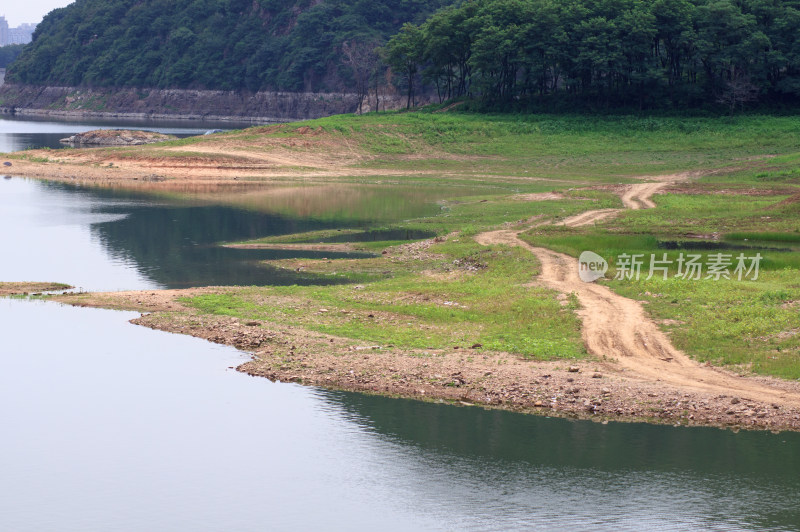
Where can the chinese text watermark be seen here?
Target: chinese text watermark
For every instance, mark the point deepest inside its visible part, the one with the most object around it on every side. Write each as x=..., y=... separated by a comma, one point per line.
x=688, y=266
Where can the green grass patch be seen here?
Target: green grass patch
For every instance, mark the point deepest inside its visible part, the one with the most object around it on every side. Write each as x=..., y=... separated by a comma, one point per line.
x=473, y=295
x=754, y=325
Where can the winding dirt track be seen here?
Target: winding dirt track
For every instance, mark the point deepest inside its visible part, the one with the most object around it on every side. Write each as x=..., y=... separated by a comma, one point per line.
x=618, y=331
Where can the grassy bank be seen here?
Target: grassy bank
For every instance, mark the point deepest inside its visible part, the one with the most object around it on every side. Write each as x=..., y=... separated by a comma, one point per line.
x=454, y=294
x=573, y=147
x=484, y=171
x=430, y=147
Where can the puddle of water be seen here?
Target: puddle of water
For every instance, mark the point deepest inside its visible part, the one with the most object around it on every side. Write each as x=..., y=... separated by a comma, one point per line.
x=379, y=235
x=711, y=245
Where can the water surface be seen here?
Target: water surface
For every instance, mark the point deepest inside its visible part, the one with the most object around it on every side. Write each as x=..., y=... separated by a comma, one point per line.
x=100, y=239
x=112, y=427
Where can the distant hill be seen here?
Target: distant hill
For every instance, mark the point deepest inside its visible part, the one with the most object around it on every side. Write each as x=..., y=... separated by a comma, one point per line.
x=257, y=45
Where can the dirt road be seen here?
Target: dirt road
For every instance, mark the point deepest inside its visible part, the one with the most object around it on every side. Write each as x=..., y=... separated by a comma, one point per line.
x=618, y=331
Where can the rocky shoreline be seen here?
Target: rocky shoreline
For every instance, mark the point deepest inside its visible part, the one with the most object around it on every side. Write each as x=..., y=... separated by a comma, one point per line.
x=469, y=376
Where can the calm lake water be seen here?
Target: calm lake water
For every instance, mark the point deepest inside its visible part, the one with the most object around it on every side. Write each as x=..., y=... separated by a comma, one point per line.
x=108, y=426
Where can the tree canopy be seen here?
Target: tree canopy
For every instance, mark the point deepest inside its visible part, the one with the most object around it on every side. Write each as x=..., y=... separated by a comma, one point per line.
x=9, y=53
x=291, y=45
x=609, y=52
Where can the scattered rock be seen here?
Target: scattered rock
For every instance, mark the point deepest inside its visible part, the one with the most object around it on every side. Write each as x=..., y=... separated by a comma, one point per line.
x=574, y=369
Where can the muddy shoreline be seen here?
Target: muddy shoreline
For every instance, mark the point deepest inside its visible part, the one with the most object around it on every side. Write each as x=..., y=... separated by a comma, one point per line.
x=466, y=375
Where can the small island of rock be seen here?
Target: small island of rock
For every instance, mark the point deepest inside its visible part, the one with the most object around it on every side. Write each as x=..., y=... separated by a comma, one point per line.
x=116, y=137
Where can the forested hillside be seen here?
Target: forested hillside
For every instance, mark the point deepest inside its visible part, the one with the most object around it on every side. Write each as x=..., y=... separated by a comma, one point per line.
x=646, y=53
x=289, y=45
x=505, y=53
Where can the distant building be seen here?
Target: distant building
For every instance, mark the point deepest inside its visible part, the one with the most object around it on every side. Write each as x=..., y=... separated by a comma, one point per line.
x=22, y=34
x=3, y=31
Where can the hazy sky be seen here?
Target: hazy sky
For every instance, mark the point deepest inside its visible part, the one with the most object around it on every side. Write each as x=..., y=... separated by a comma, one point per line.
x=19, y=11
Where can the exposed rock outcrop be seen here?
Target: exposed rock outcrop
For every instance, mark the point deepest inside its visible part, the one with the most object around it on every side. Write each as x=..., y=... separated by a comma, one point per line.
x=116, y=137
x=72, y=102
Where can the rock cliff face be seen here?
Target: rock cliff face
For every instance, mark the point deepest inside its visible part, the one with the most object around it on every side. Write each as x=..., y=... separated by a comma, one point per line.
x=2, y=76
x=75, y=102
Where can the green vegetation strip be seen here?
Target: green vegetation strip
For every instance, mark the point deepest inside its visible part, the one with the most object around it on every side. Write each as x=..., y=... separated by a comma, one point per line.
x=470, y=295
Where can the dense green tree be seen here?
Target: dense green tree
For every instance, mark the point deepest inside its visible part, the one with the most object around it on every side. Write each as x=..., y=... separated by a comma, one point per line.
x=404, y=53
x=614, y=52
x=8, y=54
x=251, y=45
x=598, y=53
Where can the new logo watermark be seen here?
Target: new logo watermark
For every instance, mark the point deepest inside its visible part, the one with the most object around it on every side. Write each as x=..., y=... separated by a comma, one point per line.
x=691, y=267
x=591, y=267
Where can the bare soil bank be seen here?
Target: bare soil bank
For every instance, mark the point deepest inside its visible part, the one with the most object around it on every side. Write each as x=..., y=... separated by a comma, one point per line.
x=261, y=107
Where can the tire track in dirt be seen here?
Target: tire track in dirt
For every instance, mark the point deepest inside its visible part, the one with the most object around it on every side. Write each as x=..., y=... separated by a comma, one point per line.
x=618, y=331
